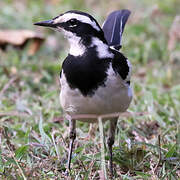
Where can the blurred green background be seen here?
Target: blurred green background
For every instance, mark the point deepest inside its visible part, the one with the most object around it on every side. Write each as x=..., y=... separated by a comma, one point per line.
x=33, y=146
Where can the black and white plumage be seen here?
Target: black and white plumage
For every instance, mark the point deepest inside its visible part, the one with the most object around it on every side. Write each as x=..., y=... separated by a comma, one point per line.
x=113, y=27
x=95, y=77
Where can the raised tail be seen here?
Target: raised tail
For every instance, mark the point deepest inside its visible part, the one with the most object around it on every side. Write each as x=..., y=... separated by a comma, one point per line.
x=113, y=27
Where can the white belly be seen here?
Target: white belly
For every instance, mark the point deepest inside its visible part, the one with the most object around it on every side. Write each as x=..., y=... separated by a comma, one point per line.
x=114, y=97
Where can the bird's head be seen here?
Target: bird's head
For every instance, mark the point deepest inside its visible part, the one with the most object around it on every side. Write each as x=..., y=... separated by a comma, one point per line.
x=75, y=24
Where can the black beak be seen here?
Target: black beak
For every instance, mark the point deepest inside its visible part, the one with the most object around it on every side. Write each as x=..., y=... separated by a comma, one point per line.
x=48, y=23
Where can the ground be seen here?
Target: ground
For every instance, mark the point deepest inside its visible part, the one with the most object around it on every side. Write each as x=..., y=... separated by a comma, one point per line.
x=34, y=138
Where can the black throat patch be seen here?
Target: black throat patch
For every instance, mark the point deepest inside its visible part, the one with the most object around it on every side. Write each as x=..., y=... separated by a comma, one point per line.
x=86, y=72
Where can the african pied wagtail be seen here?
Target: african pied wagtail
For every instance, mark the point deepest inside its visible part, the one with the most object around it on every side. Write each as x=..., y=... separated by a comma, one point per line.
x=95, y=76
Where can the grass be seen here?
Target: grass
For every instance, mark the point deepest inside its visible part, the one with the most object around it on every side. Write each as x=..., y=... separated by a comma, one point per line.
x=33, y=146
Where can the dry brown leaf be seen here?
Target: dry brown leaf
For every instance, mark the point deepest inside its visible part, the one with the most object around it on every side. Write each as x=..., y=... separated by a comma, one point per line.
x=34, y=47
x=19, y=38
x=174, y=33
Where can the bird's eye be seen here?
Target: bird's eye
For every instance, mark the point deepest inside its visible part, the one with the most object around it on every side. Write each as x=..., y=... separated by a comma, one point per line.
x=72, y=22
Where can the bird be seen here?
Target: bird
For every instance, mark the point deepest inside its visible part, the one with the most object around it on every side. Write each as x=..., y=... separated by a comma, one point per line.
x=95, y=75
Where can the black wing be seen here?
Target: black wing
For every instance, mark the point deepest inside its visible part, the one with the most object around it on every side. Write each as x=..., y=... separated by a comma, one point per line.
x=113, y=27
x=120, y=65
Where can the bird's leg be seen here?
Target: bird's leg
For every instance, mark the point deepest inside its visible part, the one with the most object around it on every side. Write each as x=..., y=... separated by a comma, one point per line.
x=72, y=136
x=110, y=142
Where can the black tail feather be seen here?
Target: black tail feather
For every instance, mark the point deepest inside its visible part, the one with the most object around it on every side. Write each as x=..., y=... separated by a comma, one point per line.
x=113, y=27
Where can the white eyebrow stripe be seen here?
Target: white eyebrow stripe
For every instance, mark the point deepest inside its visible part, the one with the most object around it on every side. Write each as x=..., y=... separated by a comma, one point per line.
x=79, y=17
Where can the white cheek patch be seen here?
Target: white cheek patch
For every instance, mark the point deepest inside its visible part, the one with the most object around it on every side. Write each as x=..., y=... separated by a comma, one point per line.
x=79, y=17
x=76, y=47
x=101, y=48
